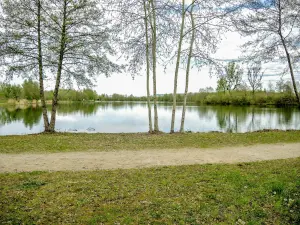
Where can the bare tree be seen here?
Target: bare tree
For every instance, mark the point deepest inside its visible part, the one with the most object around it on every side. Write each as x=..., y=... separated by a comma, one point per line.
x=207, y=24
x=188, y=69
x=154, y=47
x=23, y=39
x=255, y=76
x=273, y=27
x=146, y=10
x=81, y=45
x=183, y=12
x=141, y=32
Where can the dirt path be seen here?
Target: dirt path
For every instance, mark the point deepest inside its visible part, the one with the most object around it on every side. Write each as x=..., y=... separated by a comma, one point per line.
x=77, y=161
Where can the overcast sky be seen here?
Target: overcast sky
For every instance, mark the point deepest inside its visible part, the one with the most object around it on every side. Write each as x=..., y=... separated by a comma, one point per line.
x=229, y=49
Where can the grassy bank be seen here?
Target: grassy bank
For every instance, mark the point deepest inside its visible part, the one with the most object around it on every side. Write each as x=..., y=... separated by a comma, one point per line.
x=68, y=142
x=251, y=193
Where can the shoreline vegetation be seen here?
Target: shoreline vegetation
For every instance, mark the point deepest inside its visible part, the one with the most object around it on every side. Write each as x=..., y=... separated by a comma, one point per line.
x=234, y=99
x=75, y=142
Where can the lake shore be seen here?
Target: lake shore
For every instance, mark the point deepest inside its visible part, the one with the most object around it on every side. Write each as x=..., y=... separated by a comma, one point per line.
x=101, y=142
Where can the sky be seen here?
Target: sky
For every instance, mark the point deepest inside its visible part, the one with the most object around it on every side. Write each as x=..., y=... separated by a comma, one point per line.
x=229, y=49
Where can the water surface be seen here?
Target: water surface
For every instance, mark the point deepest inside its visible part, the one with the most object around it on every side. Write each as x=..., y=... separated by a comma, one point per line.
x=119, y=117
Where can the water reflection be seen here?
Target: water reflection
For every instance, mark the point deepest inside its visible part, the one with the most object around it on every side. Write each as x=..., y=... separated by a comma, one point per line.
x=115, y=117
x=28, y=116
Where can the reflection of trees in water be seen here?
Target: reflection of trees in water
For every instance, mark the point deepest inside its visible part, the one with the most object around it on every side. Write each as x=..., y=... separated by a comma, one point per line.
x=286, y=115
x=235, y=119
x=230, y=118
x=29, y=116
x=85, y=108
x=206, y=112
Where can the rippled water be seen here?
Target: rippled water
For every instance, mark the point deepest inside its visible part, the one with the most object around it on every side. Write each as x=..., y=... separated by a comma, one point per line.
x=118, y=117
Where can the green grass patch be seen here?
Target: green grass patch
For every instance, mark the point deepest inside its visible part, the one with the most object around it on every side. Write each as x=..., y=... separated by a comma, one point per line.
x=67, y=142
x=247, y=193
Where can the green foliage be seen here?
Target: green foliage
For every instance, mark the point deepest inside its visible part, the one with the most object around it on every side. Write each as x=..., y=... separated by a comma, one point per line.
x=73, y=95
x=222, y=84
x=232, y=78
x=31, y=90
x=246, y=193
x=10, y=91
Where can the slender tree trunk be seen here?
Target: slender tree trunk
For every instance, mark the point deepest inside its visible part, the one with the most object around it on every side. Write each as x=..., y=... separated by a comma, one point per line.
x=287, y=53
x=290, y=68
x=148, y=68
x=41, y=78
x=59, y=69
x=177, y=67
x=153, y=5
x=188, y=71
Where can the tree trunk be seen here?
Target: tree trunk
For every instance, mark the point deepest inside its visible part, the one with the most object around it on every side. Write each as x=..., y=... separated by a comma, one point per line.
x=148, y=68
x=188, y=71
x=156, y=128
x=177, y=67
x=41, y=78
x=287, y=54
x=291, y=68
x=59, y=69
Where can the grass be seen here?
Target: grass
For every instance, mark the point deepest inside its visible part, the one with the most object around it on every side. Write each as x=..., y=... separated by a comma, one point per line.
x=248, y=193
x=68, y=142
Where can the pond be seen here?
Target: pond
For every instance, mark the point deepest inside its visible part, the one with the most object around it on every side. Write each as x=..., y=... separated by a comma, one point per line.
x=129, y=117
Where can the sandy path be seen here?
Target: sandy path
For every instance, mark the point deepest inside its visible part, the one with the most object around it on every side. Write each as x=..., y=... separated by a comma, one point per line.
x=145, y=158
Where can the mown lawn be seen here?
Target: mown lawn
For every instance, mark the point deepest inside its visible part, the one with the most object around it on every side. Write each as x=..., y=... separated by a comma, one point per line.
x=67, y=142
x=248, y=193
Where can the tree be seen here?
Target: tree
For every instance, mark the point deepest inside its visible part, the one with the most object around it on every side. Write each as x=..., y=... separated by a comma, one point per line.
x=207, y=26
x=145, y=30
x=81, y=45
x=146, y=12
x=89, y=94
x=280, y=85
x=233, y=76
x=31, y=90
x=73, y=34
x=255, y=76
x=183, y=12
x=222, y=84
x=188, y=68
x=274, y=31
x=23, y=37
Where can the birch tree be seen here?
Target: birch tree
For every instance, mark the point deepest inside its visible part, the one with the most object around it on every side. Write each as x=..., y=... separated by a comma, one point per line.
x=202, y=34
x=81, y=45
x=145, y=30
x=273, y=27
x=146, y=13
x=183, y=12
x=23, y=38
x=188, y=68
x=255, y=76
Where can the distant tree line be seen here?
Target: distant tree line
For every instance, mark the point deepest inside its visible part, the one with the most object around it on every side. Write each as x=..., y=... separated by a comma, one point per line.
x=29, y=90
